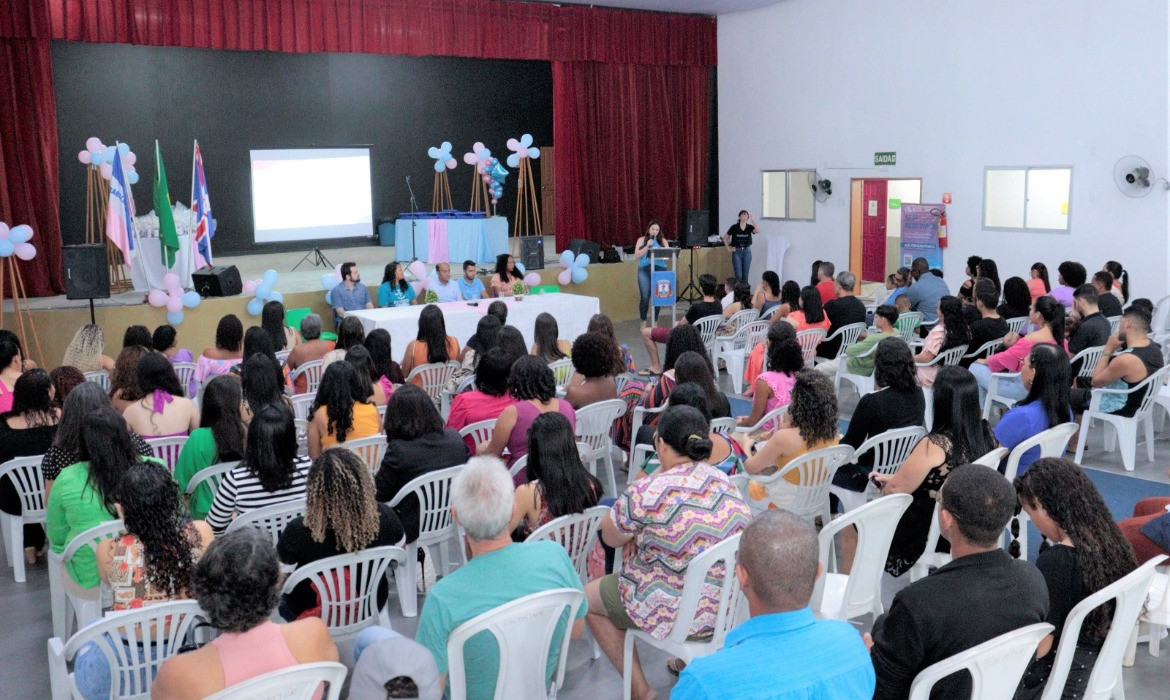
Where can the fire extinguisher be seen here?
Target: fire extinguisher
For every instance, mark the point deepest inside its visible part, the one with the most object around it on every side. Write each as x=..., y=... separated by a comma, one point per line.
x=942, y=230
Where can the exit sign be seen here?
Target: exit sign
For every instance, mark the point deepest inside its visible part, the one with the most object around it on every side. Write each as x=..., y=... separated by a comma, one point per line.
x=885, y=158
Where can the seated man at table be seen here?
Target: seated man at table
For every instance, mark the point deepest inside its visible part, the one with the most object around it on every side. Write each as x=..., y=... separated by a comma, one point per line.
x=470, y=286
x=709, y=306
x=444, y=287
x=350, y=294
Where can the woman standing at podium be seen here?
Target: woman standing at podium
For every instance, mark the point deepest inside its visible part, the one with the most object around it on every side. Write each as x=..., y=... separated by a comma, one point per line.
x=653, y=238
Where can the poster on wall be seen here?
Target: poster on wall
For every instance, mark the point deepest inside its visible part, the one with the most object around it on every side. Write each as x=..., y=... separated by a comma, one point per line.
x=920, y=233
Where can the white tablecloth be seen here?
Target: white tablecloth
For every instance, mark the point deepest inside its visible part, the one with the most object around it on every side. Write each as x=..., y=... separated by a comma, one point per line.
x=572, y=312
x=148, y=270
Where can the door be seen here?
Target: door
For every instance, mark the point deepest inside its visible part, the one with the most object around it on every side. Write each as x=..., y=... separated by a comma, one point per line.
x=873, y=230
x=548, y=214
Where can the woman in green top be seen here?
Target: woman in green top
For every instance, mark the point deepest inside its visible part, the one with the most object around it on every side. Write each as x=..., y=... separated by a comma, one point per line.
x=84, y=493
x=220, y=438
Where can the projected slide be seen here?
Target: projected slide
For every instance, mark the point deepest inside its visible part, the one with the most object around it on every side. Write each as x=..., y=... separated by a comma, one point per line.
x=311, y=194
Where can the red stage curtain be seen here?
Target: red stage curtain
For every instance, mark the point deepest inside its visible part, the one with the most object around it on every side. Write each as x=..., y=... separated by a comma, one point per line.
x=632, y=144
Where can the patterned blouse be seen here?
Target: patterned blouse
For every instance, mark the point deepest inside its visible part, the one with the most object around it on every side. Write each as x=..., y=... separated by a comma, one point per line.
x=673, y=517
x=129, y=581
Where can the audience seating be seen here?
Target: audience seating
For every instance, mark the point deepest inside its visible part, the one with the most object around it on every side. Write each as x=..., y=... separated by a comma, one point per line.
x=563, y=374
x=434, y=377
x=1016, y=324
x=996, y=666
x=163, y=627
x=480, y=431
x=810, y=498
x=1088, y=359
x=1125, y=428
x=946, y=358
x=640, y=413
x=1052, y=443
x=767, y=315
x=446, y=397
x=312, y=371
x=726, y=426
x=594, y=427
x=890, y=450
x=167, y=449
x=992, y=395
x=29, y=481
x=809, y=340
x=678, y=642
x=1114, y=324
x=302, y=404
x=907, y=325
x=436, y=529
x=212, y=475
x=583, y=451
x=302, y=428
x=186, y=374
x=282, y=355
x=740, y=318
x=300, y=682
x=863, y=382
x=620, y=382
x=370, y=449
x=769, y=421
x=523, y=631
x=859, y=592
x=735, y=349
x=848, y=335
x=985, y=350
x=65, y=605
x=99, y=376
x=272, y=519
x=708, y=328
x=1158, y=611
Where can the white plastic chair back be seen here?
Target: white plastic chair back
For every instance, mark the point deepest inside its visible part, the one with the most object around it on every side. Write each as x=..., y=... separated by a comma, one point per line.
x=863, y=382
x=29, y=481
x=993, y=396
x=302, y=404
x=370, y=449
x=382, y=413
x=708, y=328
x=907, y=324
x=770, y=421
x=1089, y=357
x=302, y=428
x=435, y=527
x=1015, y=325
x=946, y=358
x=167, y=449
x=212, y=476
x=162, y=628
x=891, y=448
x=300, y=682
x=584, y=451
x=282, y=355
x=480, y=431
x=523, y=631
x=809, y=340
x=434, y=377
x=1114, y=324
x=846, y=596
x=312, y=371
x=272, y=519
x=347, y=587
x=562, y=372
x=640, y=413
x=996, y=666
x=186, y=373
x=993, y=458
x=741, y=318
x=1052, y=443
x=1126, y=427
x=726, y=426
x=447, y=397
x=65, y=605
x=985, y=350
x=767, y=315
x=848, y=335
x=815, y=470
x=577, y=533
x=100, y=377
x=594, y=424
x=620, y=382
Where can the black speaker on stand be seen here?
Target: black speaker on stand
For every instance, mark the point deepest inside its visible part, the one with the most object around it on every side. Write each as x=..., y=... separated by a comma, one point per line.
x=87, y=273
x=696, y=227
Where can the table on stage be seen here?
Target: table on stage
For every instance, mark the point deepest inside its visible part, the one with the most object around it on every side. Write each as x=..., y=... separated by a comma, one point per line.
x=452, y=240
x=572, y=312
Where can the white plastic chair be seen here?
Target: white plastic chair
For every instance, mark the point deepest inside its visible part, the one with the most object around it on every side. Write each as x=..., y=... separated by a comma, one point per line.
x=985, y=350
x=347, y=587
x=907, y=324
x=767, y=315
x=993, y=396
x=302, y=404
x=524, y=631
x=640, y=413
x=370, y=449
x=435, y=527
x=99, y=376
x=1052, y=443
x=769, y=421
x=946, y=358
x=212, y=476
x=734, y=350
x=1129, y=595
x=300, y=682
x=312, y=371
x=446, y=397
x=167, y=449
x=620, y=382
x=583, y=451
x=810, y=497
x=846, y=596
x=65, y=605
x=996, y=666
x=186, y=373
x=708, y=328
x=1089, y=357
x=594, y=427
x=302, y=428
x=863, y=382
x=272, y=519
x=738, y=320
x=29, y=481
x=480, y=431
x=282, y=355
x=1114, y=324
x=890, y=450
x=676, y=643
x=1016, y=325
x=577, y=533
x=1158, y=613
x=563, y=373
x=809, y=340
x=162, y=628
x=434, y=377
x=1124, y=427
x=726, y=426
x=848, y=335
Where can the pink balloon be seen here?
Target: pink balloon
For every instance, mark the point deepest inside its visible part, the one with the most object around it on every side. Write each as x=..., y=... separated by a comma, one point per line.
x=175, y=304
x=107, y=170
x=452, y=163
x=532, y=279
x=93, y=143
x=418, y=269
x=250, y=286
x=4, y=230
x=487, y=179
x=418, y=287
x=494, y=201
x=25, y=251
x=172, y=281
x=565, y=277
x=477, y=147
x=129, y=159
x=158, y=297
x=83, y=156
x=470, y=158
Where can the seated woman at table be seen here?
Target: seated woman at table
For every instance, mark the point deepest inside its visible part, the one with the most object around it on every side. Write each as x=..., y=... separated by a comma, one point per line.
x=504, y=282
x=432, y=345
x=163, y=410
x=394, y=290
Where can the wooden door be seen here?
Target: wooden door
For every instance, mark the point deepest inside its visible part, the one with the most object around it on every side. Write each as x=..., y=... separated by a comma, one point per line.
x=548, y=213
x=873, y=230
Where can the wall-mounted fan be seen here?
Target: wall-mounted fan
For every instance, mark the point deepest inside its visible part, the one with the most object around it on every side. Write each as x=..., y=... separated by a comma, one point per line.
x=1133, y=176
x=821, y=188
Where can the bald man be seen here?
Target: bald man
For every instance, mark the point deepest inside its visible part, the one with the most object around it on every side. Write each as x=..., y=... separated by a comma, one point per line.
x=444, y=287
x=782, y=651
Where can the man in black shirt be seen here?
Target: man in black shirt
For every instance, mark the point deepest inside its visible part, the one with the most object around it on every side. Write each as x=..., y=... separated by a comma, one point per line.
x=1106, y=302
x=990, y=325
x=1093, y=329
x=980, y=595
x=842, y=311
x=709, y=306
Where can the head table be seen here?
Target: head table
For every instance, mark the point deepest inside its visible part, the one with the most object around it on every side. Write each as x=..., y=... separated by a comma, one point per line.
x=572, y=312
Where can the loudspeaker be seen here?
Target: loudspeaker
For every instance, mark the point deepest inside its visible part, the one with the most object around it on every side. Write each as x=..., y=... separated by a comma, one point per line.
x=590, y=248
x=696, y=228
x=87, y=273
x=532, y=252
x=217, y=281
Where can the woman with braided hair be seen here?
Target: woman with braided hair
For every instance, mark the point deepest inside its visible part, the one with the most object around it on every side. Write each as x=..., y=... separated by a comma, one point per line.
x=341, y=517
x=1083, y=551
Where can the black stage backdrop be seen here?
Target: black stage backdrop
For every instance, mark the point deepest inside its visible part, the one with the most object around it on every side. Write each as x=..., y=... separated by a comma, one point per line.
x=235, y=101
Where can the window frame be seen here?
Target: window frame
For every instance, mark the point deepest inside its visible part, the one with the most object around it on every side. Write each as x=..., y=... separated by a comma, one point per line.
x=1023, y=227
x=810, y=172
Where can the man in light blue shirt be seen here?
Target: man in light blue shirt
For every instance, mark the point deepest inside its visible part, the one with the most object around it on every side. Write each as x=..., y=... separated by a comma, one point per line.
x=445, y=288
x=350, y=294
x=782, y=651
x=470, y=286
x=926, y=291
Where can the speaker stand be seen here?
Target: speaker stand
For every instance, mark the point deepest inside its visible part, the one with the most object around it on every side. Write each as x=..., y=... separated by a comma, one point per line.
x=691, y=292
x=316, y=258
x=92, y=319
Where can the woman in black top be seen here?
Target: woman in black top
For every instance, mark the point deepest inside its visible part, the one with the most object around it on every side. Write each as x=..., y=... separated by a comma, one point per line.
x=1017, y=300
x=416, y=443
x=1082, y=552
x=738, y=239
x=25, y=431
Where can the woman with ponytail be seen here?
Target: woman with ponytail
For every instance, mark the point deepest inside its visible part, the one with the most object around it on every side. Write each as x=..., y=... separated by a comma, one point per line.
x=1048, y=316
x=1120, y=280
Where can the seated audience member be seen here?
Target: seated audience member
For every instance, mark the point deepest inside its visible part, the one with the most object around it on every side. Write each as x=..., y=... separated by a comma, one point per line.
x=445, y=288
x=1038, y=284
x=693, y=368
x=1123, y=369
x=350, y=294
x=927, y=290
x=623, y=361
x=228, y=350
x=64, y=380
x=388, y=665
x=137, y=335
x=164, y=340
x=486, y=332
x=988, y=324
x=470, y=286
x=220, y=438
x=1148, y=531
x=163, y=410
x=811, y=313
x=593, y=365
x=1048, y=317
x=237, y=584
x=1017, y=300
x=548, y=345
x=341, y=411
x=350, y=333
x=359, y=358
x=757, y=358
x=988, y=270
x=395, y=290
x=825, y=284
x=1045, y=376
x=432, y=345
x=532, y=385
x=1070, y=275
x=685, y=495
x=1107, y=302
x=261, y=385
x=767, y=293
x=1120, y=280
x=312, y=349
x=481, y=503
x=558, y=483
x=500, y=310
x=124, y=389
x=507, y=280
x=682, y=339
x=858, y=358
x=488, y=398
x=967, y=289
x=511, y=340
x=773, y=387
x=782, y=651
x=1083, y=551
x=699, y=310
x=930, y=620
x=1090, y=329
x=258, y=342
x=789, y=299
x=386, y=372
x=341, y=517
x=86, y=351
x=900, y=279
x=416, y=444
x=843, y=310
x=271, y=472
x=272, y=320
x=726, y=454
x=27, y=431
x=959, y=435
x=741, y=300
x=951, y=331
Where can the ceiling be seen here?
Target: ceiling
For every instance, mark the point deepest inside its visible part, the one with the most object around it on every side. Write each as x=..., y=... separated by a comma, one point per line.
x=699, y=7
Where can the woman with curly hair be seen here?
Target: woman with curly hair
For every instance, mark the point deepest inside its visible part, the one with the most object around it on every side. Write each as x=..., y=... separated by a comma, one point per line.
x=64, y=380
x=532, y=385
x=86, y=351
x=227, y=353
x=220, y=438
x=341, y=411
x=773, y=388
x=967, y=289
x=341, y=517
x=593, y=365
x=1048, y=316
x=951, y=331
x=124, y=389
x=432, y=345
x=623, y=361
x=1082, y=552
x=237, y=584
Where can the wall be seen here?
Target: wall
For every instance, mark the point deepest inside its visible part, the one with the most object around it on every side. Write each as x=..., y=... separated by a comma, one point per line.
x=952, y=88
x=234, y=101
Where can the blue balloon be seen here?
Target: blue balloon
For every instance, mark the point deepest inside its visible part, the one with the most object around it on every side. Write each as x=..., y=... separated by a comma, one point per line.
x=174, y=317
x=580, y=274
x=256, y=306
x=132, y=177
x=20, y=234
x=581, y=261
x=328, y=281
x=276, y=296
x=191, y=299
x=513, y=160
x=97, y=158
x=328, y=299
x=263, y=291
x=567, y=258
x=440, y=166
x=123, y=148
x=520, y=267
x=7, y=248
x=270, y=277
x=499, y=172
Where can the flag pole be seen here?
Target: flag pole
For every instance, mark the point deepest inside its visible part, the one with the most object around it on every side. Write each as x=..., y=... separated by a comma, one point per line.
x=192, y=244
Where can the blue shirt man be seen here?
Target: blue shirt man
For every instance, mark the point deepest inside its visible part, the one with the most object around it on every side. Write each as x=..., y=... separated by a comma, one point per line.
x=926, y=291
x=350, y=295
x=470, y=286
x=782, y=651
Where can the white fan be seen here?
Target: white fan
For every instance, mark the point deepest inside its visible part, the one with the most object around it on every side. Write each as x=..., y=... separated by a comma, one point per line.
x=1133, y=176
x=821, y=188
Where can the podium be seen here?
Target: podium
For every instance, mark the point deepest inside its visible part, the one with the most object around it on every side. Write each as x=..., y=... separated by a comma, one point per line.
x=664, y=282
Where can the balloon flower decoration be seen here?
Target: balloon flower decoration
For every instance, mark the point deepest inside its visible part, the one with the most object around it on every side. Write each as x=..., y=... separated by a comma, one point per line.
x=421, y=279
x=441, y=199
x=530, y=278
x=527, y=203
x=15, y=241
x=263, y=289
x=479, y=156
x=521, y=149
x=575, y=270
x=173, y=298
x=101, y=156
